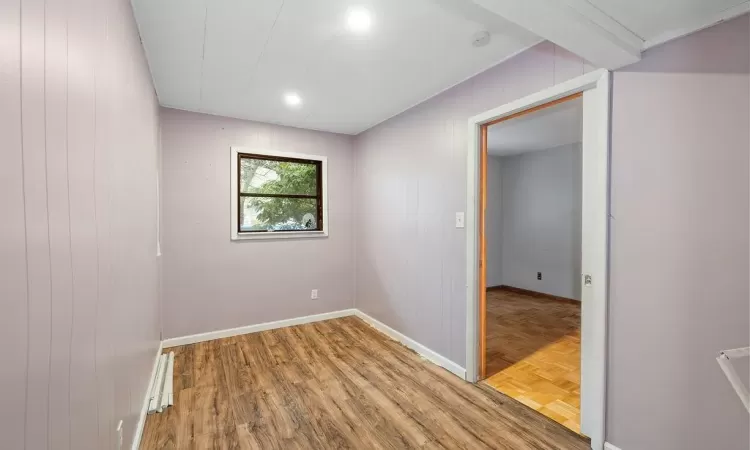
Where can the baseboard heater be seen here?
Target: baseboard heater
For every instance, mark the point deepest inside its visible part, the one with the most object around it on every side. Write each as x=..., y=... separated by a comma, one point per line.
x=725, y=361
x=161, y=385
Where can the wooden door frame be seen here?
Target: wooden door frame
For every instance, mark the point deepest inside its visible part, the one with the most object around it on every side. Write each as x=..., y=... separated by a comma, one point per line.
x=483, y=155
x=595, y=88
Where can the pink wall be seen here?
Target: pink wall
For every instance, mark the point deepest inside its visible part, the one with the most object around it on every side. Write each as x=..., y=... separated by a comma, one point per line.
x=679, y=242
x=79, y=276
x=679, y=232
x=410, y=182
x=78, y=266
x=212, y=283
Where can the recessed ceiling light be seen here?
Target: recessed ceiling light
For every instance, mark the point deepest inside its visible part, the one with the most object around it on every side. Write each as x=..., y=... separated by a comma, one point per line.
x=292, y=99
x=359, y=20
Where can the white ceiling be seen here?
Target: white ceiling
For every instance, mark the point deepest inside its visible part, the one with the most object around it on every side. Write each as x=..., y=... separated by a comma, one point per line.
x=238, y=58
x=650, y=18
x=551, y=127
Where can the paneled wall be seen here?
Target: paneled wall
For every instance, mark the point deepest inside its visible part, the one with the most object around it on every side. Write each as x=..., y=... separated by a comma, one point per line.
x=410, y=182
x=680, y=250
x=679, y=258
x=79, y=323
x=212, y=283
x=540, y=227
x=493, y=221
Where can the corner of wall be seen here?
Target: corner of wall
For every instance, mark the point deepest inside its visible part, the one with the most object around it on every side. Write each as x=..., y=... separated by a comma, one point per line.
x=354, y=145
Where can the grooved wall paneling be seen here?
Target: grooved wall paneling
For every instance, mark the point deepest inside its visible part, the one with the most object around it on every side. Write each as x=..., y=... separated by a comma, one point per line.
x=212, y=283
x=78, y=266
x=410, y=182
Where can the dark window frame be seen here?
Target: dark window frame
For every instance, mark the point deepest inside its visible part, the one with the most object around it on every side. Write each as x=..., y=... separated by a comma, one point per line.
x=318, y=191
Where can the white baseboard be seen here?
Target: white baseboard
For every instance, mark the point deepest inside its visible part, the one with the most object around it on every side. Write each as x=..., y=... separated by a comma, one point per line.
x=146, y=397
x=608, y=446
x=425, y=352
x=210, y=336
x=428, y=354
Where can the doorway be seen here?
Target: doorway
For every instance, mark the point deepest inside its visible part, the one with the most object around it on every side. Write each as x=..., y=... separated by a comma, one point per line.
x=533, y=254
x=594, y=91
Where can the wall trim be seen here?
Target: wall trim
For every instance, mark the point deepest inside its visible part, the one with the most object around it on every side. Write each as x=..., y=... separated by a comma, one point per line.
x=595, y=86
x=218, y=334
x=608, y=446
x=430, y=97
x=426, y=353
x=138, y=433
x=698, y=25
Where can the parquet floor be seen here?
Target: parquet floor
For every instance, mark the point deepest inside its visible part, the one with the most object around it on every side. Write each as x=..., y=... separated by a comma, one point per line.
x=534, y=353
x=337, y=384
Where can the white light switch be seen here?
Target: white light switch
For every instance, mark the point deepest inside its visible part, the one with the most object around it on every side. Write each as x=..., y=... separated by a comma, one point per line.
x=459, y=220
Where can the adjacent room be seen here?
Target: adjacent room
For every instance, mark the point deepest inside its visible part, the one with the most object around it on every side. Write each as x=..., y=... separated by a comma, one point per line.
x=423, y=224
x=533, y=247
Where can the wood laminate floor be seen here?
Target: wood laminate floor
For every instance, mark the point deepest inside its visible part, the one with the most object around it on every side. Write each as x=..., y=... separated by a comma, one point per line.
x=534, y=353
x=337, y=384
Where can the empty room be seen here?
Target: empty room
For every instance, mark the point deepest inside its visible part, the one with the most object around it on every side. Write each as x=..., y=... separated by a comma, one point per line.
x=297, y=224
x=533, y=250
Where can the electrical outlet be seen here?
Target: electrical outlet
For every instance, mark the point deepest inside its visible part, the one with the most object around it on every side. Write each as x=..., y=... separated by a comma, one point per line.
x=119, y=436
x=539, y=275
x=314, y=294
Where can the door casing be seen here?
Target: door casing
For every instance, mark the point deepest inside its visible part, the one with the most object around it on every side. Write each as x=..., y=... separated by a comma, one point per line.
x=595, y=87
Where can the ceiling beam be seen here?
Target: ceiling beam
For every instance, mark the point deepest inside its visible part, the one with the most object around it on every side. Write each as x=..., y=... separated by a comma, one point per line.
x=575, y=25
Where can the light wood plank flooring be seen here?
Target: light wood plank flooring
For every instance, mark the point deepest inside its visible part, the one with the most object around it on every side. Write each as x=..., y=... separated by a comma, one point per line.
x=337, y=384
x=534, y=353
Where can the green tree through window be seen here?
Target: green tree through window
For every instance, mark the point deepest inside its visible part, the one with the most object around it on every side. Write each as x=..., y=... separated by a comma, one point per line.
x=279, y=194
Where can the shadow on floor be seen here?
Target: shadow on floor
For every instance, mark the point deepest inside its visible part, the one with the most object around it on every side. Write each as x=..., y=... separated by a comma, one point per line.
x=518, y=325
x=534, y=353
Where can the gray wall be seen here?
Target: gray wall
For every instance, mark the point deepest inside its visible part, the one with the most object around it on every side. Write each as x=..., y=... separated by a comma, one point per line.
x=540, y=224
x=493, y=221
x=212, y=283
x=78, y=269
x=411, y=180
x=679, y=243
x=679, y=252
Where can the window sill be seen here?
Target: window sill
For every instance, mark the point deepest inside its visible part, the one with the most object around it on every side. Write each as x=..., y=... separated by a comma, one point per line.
x=278, y=235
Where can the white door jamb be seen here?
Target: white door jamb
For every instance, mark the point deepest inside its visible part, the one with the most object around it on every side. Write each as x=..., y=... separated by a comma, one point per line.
x=595, y=86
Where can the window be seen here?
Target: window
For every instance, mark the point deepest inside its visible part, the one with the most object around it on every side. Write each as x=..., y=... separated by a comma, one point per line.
x=277, y=195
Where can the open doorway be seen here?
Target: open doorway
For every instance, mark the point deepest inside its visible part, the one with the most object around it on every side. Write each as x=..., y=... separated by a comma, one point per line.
x=533, y=254
x=593, y=89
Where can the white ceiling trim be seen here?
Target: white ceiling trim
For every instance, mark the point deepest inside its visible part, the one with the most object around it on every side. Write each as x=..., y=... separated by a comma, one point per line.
x=145, y=50
x=475, y=13
x=512, y=55
x=245, y=119
x=716, y=19
x=606, y=22
x=575, y=25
